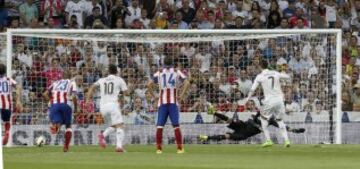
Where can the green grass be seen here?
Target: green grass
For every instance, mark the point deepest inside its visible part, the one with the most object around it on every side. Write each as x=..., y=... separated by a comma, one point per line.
x=196, y=157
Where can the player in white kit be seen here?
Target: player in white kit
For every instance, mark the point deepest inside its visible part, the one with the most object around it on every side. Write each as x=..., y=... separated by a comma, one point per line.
x=273, y=104
x=110, y=88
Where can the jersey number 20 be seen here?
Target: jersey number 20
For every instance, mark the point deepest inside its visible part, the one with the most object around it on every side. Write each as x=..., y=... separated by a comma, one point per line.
x=4, y=87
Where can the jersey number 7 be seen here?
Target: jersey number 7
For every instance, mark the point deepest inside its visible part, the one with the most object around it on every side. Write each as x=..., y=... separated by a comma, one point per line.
x=272, y=81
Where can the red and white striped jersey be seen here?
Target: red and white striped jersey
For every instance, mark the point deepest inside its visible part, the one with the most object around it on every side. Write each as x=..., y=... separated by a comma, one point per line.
x=168, y=79
x=61, y=90
x=6, y=85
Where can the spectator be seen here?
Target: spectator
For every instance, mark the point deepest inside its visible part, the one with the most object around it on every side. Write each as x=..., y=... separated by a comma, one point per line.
x=3, y=14
x=317, y=21
x=165, y=6
x=201, y=104
x=52, y=9
x=24, y=56
x=204, y=56
x=299, y=14
x=144, y=19
x=134, y=12
x=330, y=14
x=239, y=11
x=308, y=104
x=28, y=11
x=300, y=24
x=89, y=6
x=118, y=13
x=188, y=13
x=273, y=20
x=75, y=14
x=179, y=20
x=284, y=24
x=204, y=23
x=244, y=82
x=355, y=98
x=290, y=10
x=139, y=114
x=161, y=21
x=53, y=73
x=89, y=21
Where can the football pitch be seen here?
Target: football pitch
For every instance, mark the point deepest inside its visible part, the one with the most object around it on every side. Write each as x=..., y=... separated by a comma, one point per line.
x=196, y=157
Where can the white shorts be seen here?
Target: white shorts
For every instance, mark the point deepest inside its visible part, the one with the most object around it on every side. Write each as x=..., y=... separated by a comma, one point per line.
x=276, y=108
x=113, y=110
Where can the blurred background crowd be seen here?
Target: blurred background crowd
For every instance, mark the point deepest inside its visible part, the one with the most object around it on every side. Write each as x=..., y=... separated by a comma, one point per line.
x=222, y=71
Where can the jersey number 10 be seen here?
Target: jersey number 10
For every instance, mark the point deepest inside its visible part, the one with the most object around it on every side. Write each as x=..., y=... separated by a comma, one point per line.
x=109, y=88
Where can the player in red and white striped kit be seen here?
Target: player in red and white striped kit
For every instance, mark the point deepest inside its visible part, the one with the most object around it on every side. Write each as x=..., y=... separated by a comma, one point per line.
x=60, y=92
x=6, y=100
x=168, y=79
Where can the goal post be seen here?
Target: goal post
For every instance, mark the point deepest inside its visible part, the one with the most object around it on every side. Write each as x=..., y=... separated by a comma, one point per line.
x=249, y=40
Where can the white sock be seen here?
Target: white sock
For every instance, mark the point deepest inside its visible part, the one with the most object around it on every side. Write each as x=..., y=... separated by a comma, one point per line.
x=108, y=131
x=119, y=137
x=264, y=126
x=283, y=130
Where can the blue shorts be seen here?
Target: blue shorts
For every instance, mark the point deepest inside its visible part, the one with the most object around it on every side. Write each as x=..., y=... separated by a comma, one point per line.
x=60, y=113
x=168, y=110
x=5, y=115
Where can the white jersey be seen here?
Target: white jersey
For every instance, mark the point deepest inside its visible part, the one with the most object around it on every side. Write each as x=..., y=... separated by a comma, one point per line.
x=76, y=9
x=270, y=82
x=110, y=88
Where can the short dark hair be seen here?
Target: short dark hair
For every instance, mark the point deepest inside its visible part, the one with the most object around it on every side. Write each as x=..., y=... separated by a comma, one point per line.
x=168, y=61
x=67, y=74
x=2, y=69
x=113, y=69
x=264, y=64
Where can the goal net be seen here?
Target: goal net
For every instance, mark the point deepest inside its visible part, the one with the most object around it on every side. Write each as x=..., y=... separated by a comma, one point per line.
x=222, y=64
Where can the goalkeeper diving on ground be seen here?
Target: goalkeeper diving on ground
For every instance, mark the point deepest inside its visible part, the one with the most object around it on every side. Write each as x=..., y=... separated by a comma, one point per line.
x=242, y=130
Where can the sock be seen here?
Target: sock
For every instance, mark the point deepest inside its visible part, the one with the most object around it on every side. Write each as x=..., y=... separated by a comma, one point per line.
x=159, y=134
x=221, y=116
x=7, y=126
x=6, y=136
x=68, y=135
x=217, y=137
x=120, y=134
x=108, y=131
x=264, y=125
x=283, y=130
x=178, y=138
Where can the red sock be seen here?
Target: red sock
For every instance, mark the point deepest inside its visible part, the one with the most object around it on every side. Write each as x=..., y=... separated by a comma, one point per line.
x=178, y=138
x=68, y=134
x=159, y=134
x=7, y=126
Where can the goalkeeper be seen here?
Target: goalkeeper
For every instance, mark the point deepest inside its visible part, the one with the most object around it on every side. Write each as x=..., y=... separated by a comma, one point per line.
x=242, y=129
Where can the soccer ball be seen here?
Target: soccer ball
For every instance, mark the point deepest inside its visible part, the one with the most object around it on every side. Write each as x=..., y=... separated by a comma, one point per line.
x=40, y=141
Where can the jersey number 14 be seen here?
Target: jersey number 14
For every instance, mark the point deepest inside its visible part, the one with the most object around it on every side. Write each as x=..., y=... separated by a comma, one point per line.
x=170, y=81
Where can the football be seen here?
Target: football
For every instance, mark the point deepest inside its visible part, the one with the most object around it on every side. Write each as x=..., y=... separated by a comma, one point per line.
x=40, y=141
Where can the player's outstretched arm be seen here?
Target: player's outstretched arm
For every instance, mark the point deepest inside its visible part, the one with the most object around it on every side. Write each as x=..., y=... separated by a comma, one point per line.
x=253, y=88
x=90, y=94
x=75, y=102
x=19, y=105
x=185, y=90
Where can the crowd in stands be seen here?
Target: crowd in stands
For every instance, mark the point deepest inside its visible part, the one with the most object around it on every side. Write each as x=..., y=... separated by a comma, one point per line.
x=221, y=72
